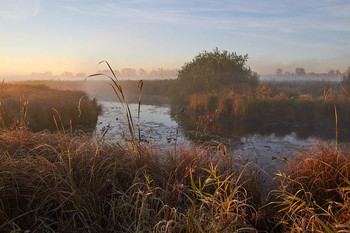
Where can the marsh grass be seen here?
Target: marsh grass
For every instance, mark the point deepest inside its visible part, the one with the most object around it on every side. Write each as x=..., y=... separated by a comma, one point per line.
x=59, y=182
x=258, y=106
x=34, y=106
x=66, y=183
x=314, y=191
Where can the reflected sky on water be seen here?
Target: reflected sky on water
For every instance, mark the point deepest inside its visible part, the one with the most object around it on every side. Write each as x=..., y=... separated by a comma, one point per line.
x=163, y=127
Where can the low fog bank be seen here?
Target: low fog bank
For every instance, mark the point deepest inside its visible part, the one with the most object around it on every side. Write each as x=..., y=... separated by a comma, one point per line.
x=123, y=74
x=154, y=92
x=307, y=77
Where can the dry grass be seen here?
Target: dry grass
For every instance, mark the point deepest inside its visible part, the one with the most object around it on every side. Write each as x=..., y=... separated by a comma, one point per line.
x=67, y=183
x=314, y=194
x=33, y=106
x=62, y=183
x=259, y=106
x=55, y=182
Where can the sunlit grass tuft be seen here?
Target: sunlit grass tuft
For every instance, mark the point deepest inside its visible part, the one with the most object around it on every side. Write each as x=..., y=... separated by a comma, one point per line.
x=314, y=193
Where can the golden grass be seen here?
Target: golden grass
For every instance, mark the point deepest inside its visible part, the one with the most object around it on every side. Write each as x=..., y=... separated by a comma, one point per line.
x=62, y=183
x=68, y=183
x=258, y=106
x=314, y=194
x=55, y=182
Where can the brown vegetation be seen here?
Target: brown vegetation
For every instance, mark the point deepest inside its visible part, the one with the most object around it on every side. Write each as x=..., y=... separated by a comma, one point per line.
x=261, y=106
x=35, y=106
x=67, y=183
x=314, y=194
x=61, y=182
x=56, y=182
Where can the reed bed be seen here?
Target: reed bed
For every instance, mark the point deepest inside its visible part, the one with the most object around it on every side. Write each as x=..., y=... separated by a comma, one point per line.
x=35, y=106
x=260, y=106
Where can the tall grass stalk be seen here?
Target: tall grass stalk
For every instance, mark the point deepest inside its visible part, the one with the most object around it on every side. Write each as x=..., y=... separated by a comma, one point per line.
x=60, y=121
x=118, y=91
x=139, y=85
x=23, y=112
x=336, y=128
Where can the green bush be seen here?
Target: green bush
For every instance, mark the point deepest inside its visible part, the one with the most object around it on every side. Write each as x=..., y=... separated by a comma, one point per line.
x=212, y=72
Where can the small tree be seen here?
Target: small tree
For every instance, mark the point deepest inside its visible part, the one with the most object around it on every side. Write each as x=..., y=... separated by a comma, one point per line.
x=213, y=72
x=300, y=71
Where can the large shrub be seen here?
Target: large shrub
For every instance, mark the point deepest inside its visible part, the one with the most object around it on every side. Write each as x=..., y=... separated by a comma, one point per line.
x=213, y=72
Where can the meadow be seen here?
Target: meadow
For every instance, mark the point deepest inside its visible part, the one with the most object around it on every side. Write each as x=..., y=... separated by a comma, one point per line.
x=71, y=182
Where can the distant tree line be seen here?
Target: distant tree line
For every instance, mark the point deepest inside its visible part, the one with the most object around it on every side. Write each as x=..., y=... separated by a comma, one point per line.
x=141, y=73
x=300, y=71
x=124, y=73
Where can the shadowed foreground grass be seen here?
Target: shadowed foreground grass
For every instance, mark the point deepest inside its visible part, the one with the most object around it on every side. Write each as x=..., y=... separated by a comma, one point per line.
x=51, y=182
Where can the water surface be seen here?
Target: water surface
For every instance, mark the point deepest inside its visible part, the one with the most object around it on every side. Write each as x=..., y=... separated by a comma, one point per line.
x=159, y=127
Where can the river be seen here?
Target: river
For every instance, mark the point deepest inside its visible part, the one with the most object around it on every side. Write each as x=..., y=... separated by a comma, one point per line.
x=158, y=127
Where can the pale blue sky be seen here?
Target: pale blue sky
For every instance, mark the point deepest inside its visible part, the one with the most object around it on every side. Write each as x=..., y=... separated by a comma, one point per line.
x=74, y=35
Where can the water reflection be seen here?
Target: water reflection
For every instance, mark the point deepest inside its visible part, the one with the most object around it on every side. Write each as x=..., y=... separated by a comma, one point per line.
x=269, y=145
x=165, y=126
x=234, y=130
x=156, y=125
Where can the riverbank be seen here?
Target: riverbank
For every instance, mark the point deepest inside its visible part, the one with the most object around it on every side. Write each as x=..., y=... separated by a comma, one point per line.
x=64, y=183
x=260, y=107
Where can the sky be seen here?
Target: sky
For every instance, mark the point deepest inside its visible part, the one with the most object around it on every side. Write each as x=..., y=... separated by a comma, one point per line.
x=74, y=35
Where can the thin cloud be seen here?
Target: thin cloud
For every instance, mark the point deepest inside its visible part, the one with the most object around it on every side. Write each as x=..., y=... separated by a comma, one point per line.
x=309, y=27
x=19, y=9
x=286, y=16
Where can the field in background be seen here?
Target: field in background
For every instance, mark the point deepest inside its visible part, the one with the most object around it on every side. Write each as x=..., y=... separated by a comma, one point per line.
x=153, y=92
x=38, y=107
